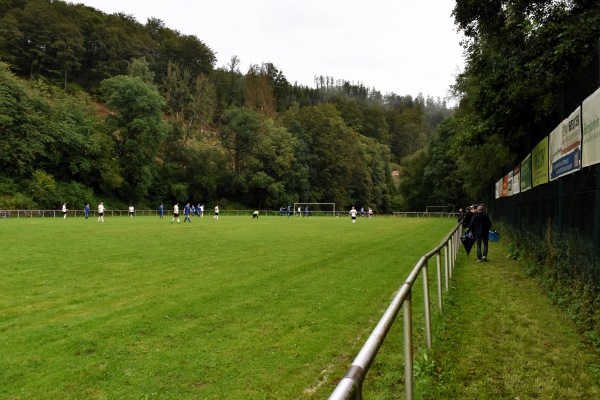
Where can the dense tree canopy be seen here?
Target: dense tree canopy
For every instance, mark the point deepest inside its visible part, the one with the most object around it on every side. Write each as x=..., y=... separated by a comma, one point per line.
x=519, y=55
x=103, y=106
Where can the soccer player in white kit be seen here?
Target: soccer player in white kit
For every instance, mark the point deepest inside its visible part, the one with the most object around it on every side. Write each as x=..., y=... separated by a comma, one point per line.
x=175, y=213
x=353, y=214
x=101, y=212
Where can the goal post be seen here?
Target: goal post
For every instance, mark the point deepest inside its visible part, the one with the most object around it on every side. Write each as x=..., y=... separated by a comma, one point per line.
x=314, y=209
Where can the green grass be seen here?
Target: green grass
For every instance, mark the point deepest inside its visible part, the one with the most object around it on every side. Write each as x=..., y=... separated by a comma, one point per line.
x=274, y=308
x=502, y=338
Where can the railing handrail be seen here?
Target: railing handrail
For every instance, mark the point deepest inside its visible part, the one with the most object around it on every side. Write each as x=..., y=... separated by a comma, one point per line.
x=350, y=386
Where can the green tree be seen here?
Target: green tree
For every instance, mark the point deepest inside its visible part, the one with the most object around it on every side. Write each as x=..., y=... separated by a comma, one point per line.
x=239, y=135
x=335, y=160
x=519, y=54
x=22, y=141
x=138, y=130
x=141, y=68
x=273, y=177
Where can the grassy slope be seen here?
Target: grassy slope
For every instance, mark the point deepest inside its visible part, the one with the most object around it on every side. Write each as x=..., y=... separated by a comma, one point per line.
x=236, y=308
x=504, y=339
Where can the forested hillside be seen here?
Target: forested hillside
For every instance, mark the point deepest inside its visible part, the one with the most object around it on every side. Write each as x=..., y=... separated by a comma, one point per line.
x=96, y=106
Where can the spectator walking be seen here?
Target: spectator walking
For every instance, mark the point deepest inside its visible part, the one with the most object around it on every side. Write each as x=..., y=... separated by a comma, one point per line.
x=466, y=221
x=480, y=228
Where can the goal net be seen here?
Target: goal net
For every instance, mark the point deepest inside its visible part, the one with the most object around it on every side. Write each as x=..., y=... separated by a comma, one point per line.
x=314, y=209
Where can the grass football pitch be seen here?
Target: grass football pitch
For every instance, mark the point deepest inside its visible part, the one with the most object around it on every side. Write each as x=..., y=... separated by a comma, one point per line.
x=273, y=308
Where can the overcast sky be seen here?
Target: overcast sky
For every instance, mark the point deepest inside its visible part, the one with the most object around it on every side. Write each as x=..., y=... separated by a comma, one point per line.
x=399, y=46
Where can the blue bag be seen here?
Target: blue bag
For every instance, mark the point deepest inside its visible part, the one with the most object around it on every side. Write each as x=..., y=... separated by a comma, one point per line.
x=494, y=236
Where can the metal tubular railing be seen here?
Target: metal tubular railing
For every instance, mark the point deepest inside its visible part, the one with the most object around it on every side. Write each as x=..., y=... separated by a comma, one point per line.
x=350, y=387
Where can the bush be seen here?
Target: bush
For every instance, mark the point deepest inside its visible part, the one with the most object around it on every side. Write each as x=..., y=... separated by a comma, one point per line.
x=563, y=264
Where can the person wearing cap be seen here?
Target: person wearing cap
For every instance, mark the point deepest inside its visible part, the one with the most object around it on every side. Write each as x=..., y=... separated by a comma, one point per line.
x=480, y=228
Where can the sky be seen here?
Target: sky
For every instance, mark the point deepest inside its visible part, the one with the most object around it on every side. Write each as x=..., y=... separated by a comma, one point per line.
x=400, y=46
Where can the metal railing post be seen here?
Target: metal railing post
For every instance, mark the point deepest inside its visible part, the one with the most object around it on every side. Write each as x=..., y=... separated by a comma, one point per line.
x=447, y=274
x=457, y=246
x=438, y=258
x=451, y=252
x=449, y=259
x=427, y=304
x=408, y=351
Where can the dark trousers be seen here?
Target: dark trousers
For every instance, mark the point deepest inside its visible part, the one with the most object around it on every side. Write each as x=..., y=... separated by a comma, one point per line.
x=478, y=240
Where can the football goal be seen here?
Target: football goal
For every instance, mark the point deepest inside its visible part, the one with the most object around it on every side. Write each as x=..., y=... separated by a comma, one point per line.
x=314, y=209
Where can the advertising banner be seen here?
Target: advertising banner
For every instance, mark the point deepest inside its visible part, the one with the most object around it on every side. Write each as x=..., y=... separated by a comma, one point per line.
x=590, y=115
x=498, y=189
x=509, y=184
x=516, y=186
x=565, y=146
x=505, y=186
x=526, y=181
x=539, y=163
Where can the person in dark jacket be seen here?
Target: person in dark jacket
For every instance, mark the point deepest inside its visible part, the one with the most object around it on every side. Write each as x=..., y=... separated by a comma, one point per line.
x=480, y=228
x=461, y=215
x=466, y=220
